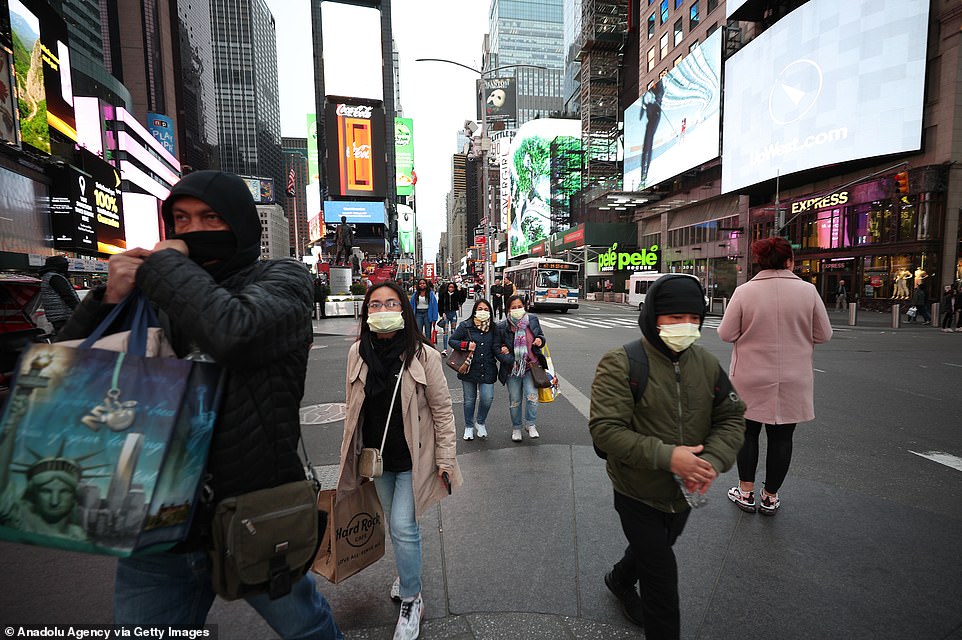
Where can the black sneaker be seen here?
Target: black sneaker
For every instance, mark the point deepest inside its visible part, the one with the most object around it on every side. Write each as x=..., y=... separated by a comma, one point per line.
x=628, y=598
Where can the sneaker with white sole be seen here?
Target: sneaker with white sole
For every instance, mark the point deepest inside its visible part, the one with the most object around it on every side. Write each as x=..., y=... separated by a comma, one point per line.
x=744, y=500
x=469, y=433
x=482, y=432
x=396, y=590
x=533, y=432
x=768, y=505
x=409, y=621
x=516, y=435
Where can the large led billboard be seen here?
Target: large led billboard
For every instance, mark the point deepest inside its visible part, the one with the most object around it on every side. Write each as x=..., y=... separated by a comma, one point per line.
x=674, y=126
x=355, y=212
x=405, y=228
x=830, y=82
x=86, y=207
x=529, y=210
x=404, y=155
x=355, y=149
x=8, y=101
x=262, y=189
x=353, y=65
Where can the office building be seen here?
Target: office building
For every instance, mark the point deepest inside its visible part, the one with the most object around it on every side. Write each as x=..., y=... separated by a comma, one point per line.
x=295, y=208
x=193, y=54
x=245, y=81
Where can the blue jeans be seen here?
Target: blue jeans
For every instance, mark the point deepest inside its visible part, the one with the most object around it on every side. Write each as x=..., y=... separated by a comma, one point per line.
x=472, y=391
x=424, y=325
x=522, y=390
x=175, y=589
x=396, y=493
x=452, y=318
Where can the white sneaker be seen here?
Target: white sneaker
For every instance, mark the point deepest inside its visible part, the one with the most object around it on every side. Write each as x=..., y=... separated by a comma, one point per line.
x=516, y=435
x=469, y=433
x=396, y=589
x=409, y=622
x=533, y=432
x=482, y=432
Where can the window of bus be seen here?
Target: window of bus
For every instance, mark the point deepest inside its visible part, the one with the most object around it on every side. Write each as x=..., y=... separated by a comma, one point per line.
x=555, y=279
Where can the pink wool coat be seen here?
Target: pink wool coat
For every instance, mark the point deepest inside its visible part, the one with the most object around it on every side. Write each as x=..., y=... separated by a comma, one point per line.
x=774, y=322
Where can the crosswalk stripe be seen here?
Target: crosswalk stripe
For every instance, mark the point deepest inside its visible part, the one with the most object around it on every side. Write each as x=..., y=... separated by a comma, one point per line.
x=608, y=323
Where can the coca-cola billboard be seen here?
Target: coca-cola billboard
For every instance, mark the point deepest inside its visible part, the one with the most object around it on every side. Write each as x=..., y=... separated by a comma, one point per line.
x=357, y=163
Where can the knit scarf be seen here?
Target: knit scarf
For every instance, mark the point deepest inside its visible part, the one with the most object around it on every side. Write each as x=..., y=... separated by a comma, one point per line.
x=484, y=326
x=520, y=346
x=383, y=359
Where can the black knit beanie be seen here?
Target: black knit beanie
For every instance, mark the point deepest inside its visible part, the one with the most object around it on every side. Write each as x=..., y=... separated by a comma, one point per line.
x=679, y=295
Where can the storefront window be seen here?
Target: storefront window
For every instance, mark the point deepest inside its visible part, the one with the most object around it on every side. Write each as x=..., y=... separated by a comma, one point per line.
x=906, y=220
x=876, y=277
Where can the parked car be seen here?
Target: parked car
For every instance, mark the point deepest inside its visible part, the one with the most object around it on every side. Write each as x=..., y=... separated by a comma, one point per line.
x=19, y=299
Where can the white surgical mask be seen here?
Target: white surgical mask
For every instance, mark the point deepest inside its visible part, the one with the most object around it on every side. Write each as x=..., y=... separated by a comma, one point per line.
x=385, y=321
x=679, y=337
x=517, y=314
x=482, y=315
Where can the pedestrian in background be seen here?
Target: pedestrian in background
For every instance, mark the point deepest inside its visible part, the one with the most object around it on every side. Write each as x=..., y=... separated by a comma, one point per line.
x=477, y=335
x=520, y=340
x=419, y=447
x=774, y=322
x=957, y=301
x=321, y=291
x=497, y=300
x=685, y=429
x=449, y=305
x=57, y=295
x=920, y=300
x=253, y=317
x=841, y=296
x=948, y=308
x=425, y=305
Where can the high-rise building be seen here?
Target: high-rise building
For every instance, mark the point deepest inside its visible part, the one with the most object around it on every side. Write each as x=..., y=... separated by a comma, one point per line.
x=529, y=32
x=85, y=26
x=193, y=54
x=245, y=80
x=295, y=157
x=571, y=85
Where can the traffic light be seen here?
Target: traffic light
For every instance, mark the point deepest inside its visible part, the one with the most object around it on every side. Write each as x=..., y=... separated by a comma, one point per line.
x=902, y=182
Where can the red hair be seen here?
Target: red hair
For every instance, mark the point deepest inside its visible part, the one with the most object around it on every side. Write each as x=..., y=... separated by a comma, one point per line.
x=772, y=253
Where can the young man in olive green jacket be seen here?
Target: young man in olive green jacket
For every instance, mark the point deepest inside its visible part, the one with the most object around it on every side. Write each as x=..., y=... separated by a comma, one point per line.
x=686, y=428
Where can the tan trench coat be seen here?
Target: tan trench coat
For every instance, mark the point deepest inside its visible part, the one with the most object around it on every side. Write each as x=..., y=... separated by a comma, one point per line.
x=774, y=322
x=428, y=425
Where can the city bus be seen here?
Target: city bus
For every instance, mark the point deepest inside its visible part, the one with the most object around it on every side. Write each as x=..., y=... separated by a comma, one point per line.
x=546, y=283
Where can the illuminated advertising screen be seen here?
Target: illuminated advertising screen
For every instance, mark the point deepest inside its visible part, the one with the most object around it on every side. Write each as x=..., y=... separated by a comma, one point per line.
x=404, y=155
x=499, y=99
x=86, y=207
x=355, y=212
x=31, y=94
x=315, y=228
x=353, y=65
x=355, y=155
x=529, y=209
x=840, y=81
x=141, y=219
x=8, y=105
x=674, y=126
x=162, y=128
x=405, y=228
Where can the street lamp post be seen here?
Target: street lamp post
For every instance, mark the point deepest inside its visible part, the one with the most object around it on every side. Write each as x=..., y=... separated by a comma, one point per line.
x=485, y=143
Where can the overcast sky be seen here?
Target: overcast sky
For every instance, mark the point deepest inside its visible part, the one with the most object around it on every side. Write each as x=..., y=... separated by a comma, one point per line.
x=439, y=97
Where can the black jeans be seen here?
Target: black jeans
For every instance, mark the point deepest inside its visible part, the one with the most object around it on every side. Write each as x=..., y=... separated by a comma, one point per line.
x=779, y=453
x=650, y=560
x=498, y=307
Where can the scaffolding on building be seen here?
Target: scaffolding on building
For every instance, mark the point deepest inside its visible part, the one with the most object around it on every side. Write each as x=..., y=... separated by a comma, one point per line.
x=604, y=28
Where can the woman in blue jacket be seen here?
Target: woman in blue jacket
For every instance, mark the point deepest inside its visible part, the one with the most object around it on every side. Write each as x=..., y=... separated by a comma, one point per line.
x=477, y=335
x=425, y=305
x=520, y=342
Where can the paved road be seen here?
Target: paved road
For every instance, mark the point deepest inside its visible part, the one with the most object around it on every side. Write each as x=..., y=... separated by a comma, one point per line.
x=867, y=544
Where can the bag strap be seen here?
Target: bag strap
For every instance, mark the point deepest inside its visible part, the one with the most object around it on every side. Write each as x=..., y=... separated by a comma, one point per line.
x=390, y=410
x=637, y=368
x=140, y=316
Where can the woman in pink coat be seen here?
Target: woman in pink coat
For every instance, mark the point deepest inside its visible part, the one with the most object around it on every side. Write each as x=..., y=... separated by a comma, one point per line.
x=774, y=322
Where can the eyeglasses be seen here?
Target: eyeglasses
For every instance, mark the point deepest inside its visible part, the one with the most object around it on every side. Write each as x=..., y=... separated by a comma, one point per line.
x=391, y=305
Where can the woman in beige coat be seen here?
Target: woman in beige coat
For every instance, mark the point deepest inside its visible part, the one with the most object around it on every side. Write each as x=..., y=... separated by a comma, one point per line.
x=398, y=400
x=774, y=322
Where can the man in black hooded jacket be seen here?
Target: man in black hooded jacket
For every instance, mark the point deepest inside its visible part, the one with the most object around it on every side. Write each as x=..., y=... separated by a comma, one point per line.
x=254, y=319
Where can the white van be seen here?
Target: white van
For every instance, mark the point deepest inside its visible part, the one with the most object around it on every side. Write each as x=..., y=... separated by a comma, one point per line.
x=638, y=287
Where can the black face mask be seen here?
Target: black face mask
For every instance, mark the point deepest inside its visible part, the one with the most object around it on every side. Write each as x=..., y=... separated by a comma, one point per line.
x=206, y=247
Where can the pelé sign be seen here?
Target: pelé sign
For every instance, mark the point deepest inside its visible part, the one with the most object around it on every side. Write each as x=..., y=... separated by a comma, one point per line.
x=644, y=260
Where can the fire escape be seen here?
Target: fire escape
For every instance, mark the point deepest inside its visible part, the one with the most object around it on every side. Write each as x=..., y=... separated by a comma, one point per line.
x=603, y=31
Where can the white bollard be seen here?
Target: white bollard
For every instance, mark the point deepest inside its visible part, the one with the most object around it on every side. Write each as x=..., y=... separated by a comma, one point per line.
x=895, y=316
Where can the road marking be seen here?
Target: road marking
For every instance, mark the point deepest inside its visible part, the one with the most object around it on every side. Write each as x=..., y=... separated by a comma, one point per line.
x=951, y=364
x=318, y=346
x=820, y=370
x=577, y=399
x=942, y=458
